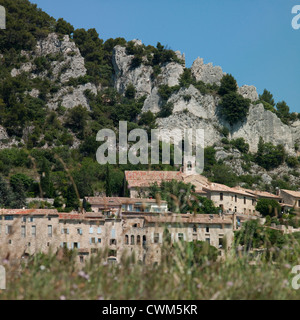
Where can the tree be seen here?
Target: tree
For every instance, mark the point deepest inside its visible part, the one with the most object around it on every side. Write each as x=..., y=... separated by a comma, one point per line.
x=107, y=182
x=228, y=85
x=268, y=207
x=202, y=205
x=241, y=145
x=267, y=97
x=176, y=193
x=234, y=107
x=6, y=194
x=269, y=156
x=46, y=183
x=63, y=27
x=283, y=111
x=130, y=91
x=72, y=202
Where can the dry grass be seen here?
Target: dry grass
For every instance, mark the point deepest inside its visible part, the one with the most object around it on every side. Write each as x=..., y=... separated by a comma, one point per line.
x=54, y=276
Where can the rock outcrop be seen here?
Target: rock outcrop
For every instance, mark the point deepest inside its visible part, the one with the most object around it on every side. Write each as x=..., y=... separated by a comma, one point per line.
x=206, y=72
x=70, y=97
x=195, y=110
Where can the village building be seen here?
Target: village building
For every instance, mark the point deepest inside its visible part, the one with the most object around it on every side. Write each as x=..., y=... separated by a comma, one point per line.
x=27, y=232
x=291, y=198
x=117, y=205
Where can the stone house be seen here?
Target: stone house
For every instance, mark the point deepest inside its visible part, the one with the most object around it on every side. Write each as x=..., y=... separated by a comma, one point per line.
x=26, y=232
x=117, y=205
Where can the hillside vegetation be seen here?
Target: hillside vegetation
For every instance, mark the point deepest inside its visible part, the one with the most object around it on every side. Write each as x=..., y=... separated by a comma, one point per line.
x=51, y=152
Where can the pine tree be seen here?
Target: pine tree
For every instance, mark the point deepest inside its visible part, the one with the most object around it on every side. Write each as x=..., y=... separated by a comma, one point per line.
x=107, y=182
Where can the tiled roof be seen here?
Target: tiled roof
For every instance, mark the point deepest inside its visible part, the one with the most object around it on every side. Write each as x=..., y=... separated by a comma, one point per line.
x=187, y=219
x=118, y=201
x=222, y=188
x=295, y=194
x=146, y=178
x=29, y=212
x=262, y=194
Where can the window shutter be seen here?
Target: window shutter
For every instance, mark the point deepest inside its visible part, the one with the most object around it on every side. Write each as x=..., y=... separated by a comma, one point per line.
x=62, y=231
x=99, y=230
x=78, y=245
x=152, y=237
x=160, y=238
x=113, y=233
x=68, y=231
x=184, y=237
x=91, y=230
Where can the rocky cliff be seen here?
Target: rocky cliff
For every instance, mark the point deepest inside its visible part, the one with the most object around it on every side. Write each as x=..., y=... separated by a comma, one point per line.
x=198, y=110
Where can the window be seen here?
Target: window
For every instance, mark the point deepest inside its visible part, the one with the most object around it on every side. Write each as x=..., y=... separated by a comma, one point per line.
x=79, y=231
x=9, y=218
x=298, y=203
x=126, y=239
x=99, y=240
x=65, y=231
x=156, y=237
x=253, y=202
x=113, y=242
x=235, y=197
x=189, y=166
x=138, y=240
x=245, y=200
x=23, y=231
x=221, y=196
x=92, y=240
x=132, y=240
x=207, y=240
x=24, y=219
x=75, y=245
x=94, y=250
x=49, y=231
x=81, y=259
x=195, y=228
x=221, y=242
x=207, y=229
x=9, y=229
x=144, y=240
x=33, y=231
x=180, y=236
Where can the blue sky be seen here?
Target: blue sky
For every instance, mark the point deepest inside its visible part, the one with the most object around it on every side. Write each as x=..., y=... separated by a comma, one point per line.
x=251, y=39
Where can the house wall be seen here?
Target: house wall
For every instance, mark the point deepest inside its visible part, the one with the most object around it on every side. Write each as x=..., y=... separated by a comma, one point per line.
x=230, y=203
x=89, y=236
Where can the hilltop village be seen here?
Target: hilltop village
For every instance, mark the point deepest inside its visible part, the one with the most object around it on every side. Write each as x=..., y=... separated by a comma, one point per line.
x=137, y=224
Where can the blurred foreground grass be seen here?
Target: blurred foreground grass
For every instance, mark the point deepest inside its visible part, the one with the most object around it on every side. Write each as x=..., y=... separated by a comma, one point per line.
x=54, y=276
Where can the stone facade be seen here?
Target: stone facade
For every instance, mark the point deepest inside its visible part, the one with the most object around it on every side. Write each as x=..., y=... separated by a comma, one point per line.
x=26, y=232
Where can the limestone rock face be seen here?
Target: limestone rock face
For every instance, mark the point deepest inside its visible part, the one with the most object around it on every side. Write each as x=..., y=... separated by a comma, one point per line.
x=70, y=66
x=141, y=77
x=3, y=134
x=124, y=74
x=206, y=72
x=265, y=124
x=248, y=92
x=73, y=62
x=170, y=74
x=25, y=67
x=70, y=97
